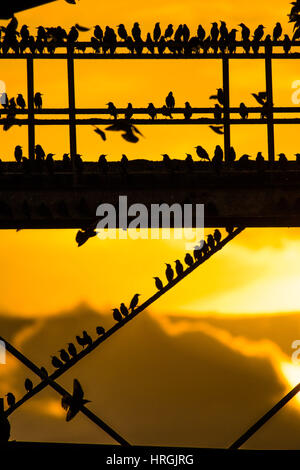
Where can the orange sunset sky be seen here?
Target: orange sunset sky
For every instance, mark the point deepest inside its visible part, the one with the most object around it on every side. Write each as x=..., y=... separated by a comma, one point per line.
x=44, y=273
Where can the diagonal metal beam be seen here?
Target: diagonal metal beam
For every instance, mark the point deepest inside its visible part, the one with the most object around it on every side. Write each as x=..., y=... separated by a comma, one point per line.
x=59, y=372
x=59, y=389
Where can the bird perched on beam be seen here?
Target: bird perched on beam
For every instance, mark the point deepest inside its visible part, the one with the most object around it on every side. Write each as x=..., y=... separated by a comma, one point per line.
x=219, y=96
x=243, y=111
x=117, y=315
x=124, y=309
x=170, y=101
x=260, y=97
x=169, y=273
x=73, y=403
x=134, y=302
x=38, y=101
x=277, y=32
x=64, y=355
x=57, y=363
x=20, y=101
x=202, y=153
x=11, y=399
x=158, y=283
x=188, y=260
x=18, y=153
x=28, y=385
x=179, y=268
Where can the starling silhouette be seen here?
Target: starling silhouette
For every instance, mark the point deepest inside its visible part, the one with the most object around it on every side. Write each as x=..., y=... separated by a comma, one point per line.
x=217, y=236
x=156, y=32
x=102, y=162
x=217, y=129
x=245, y=32
x=232, y=155
x=134, y=302
x=124, y=310
x=218, y=155
x=214, y=32
x=201, y=32
x=283, y=161
x=128, y=111
x=117, y=315
x=169, y=31
x=169, y=273
x=149, y=43
x=73, y=403
x=219, y=96
x=152, y=111
x=112, y=110
x=188, y=260
x=243, y=111
x=4, y=424
x=158, y=283
x=258, y=33
x=188, y=112
x=57, y=363
x=161, y=45
x=217, y=112
x=277, y=32
x=44, y=372
x=83, y=236
x=20, y=101
x=100, y=330
x=64, y=355
x=136, y=32
x=80, y=341
x=170, y=101
x=28, y=385
x=87, y=339
x=211, y=242
x=38, y=102
x=100, y=132
x=11, y=399
x=165, y=111
x=98, y=33
x=18, y=153
x=287, y=44
x=179, y=268
x=260, y=97
x=202, y=153
x=122, y=32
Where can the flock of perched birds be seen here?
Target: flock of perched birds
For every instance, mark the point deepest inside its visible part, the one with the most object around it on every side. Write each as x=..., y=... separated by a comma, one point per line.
x=201, y=251
x=176, y=40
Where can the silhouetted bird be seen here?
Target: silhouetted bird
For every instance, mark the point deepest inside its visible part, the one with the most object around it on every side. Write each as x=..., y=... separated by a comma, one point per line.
x=117, y=315
x=169, y=273
x=202, y=153
x=64, y=355
x=57, y=363
x=156, y=32
x=28, y=385
x=112, y=110
x=170, y=101
x=188, y=112
x=218, y=112
x=218, y=155
x=152, y=111
x=277, y=32
x=243, y=111
x=134, y=302
x=260, y=97
x=232, y=155
x=219, y=96
x=258, y=33
x=98, y=33
x=4, y=424
x=100, y=330
x=136, y=31
x=38, y=102
x=179, y=268
x=189, y=161
x=283, y=161
x=188, y=260
x=287, y=44
x=11, y=399
x=217, y=129
x=74, y=403
x=217, y=236
x=166, y=111
x=200, y=32
x=169, y=31
x=20, y=101
x=124, y=310
x=223, y=31
x=211, y=242
x=18, y=153
x=128, y=111
x=129, y=130
x=232, y=41
x=245, y=32
x=102, y=162
x=73, y=35
x=149, y=43
x=158, y=283
x=122, y=32
x=100, y=132
x=84, y=235
x=214, y=32
x=44, y=372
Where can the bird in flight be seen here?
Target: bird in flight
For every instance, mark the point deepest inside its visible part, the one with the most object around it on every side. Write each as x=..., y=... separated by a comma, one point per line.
x=73, y=403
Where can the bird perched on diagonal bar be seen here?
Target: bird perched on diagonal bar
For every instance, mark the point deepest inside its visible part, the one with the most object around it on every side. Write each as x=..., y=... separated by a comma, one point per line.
x=158, y=283
x=134, y=302
x=72, y=350
x=11, y=399
x=188, y=260
x=57, y=363
x=117, y=314
x=28, y=385
x=73, y=403
x=169, y=273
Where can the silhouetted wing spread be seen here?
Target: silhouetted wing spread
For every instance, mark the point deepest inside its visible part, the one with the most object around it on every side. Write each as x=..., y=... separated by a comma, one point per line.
x=77, y=391
x=66, y=402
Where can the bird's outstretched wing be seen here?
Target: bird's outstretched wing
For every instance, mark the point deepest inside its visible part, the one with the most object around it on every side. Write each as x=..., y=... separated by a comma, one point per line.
x=100, y=132
x=77, y=391
x=81, y=28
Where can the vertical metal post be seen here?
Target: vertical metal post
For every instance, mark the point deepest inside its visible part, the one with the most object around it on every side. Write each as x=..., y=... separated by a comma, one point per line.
x=269, y=90
x=225, y=64
x=72, y=116
x=30, y=100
